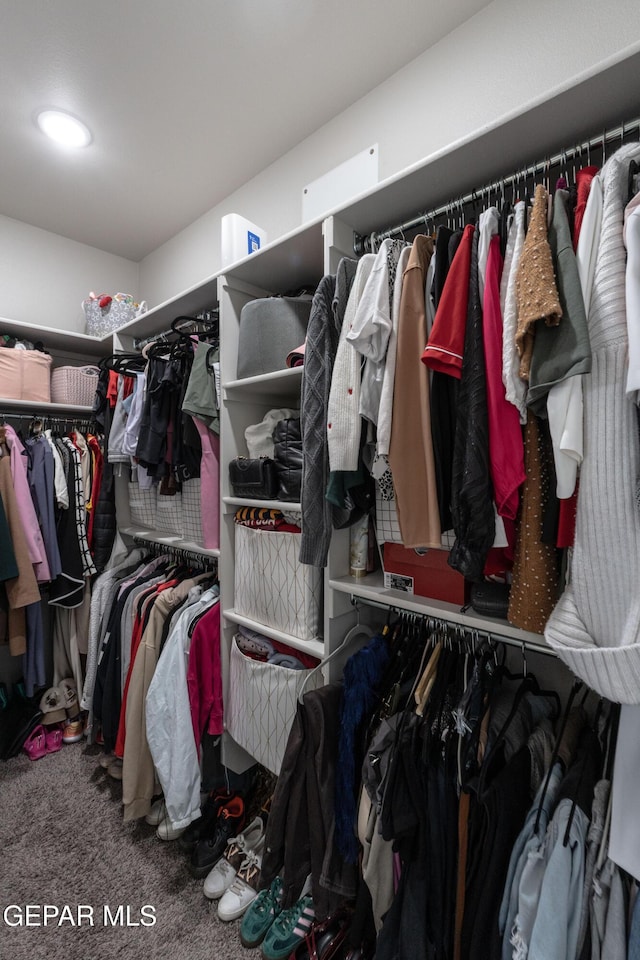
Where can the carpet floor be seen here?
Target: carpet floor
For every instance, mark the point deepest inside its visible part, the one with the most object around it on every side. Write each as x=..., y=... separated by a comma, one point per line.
x=64, y=844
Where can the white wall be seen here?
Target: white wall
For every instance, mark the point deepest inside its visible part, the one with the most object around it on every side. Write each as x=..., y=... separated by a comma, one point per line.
x=510, y=56
x=45, y=277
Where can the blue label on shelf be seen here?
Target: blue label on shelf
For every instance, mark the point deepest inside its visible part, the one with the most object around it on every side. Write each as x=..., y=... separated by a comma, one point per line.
x=253, y=242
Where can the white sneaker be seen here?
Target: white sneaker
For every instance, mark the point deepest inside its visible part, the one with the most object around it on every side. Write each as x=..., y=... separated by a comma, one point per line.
x=157, y=813
x=244, y=889
x=222, y=875
x=166, y=830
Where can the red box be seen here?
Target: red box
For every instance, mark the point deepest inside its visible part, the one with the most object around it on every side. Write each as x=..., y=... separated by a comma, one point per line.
x=425, y=573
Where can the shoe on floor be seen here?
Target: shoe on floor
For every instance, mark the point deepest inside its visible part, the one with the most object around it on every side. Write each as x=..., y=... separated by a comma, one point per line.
x=157, y=813
x=244, y=888
x=261, y=914
x=204, y=827
x=35, y=745
x=106, y=759
x=166, y=830
x=326, y=939
x=223, y=874
x=115, y=768
x=53, y=739
x=69, y=694
x=229, y=823
x=73, y=731
x=288, y=930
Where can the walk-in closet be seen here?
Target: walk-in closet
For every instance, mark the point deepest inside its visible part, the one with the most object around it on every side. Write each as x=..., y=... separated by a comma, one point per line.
x=319, y=481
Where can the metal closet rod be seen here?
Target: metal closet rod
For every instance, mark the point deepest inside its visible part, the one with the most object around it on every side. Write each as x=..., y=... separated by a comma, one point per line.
x=178, y=552
x=363, y=244
x=47, y=419
x=488, y=635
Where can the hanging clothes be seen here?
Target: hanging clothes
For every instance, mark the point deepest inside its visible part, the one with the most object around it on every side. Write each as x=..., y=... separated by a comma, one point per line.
x=594, y=627
x=472, y=508
x=411, y=450
x=536, y=292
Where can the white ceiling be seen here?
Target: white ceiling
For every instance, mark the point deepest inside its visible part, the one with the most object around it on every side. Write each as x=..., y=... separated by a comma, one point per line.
x=187, y=100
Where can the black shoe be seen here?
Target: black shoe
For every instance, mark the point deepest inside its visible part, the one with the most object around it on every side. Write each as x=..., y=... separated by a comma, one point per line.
x=229, y=823
x=204, y=826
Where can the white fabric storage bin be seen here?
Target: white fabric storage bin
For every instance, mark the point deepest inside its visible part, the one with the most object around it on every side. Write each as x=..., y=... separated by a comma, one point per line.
x=192, y=511
x=169, y=514
x=272, y=586
x=143, y=505
x=262, y=704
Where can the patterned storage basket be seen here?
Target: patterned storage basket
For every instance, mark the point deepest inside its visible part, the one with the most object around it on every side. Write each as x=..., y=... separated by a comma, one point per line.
x=263, y=699
x=191, y=511
x=143, y=505
x=116, y=312
x=169, y=514
x=75, y=385
x=272, y=586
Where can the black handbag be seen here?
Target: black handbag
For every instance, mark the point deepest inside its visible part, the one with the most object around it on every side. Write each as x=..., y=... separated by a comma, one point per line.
x=254, y=478
x=490, y=598
x=287, y=454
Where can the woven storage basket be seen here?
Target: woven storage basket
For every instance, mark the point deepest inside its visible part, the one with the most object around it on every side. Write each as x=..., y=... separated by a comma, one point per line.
x=75, y=385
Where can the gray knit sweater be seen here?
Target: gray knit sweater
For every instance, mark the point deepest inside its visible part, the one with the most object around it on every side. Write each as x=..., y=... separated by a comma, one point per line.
x=323, y=332
x=595, y=627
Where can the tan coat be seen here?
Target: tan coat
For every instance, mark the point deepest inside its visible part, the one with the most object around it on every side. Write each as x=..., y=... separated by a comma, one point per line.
x=411, y=448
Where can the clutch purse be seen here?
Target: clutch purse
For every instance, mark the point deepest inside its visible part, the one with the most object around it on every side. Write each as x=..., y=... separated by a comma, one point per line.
x=491, y=598
x=254, y=477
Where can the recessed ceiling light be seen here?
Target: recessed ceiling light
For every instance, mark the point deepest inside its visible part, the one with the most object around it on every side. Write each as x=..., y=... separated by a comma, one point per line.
x=64, y=128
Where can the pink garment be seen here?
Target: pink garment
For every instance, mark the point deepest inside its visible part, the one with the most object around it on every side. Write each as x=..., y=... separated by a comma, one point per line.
x=506, y=448
x=204, y=676
x=209, y=485
x=33, y=534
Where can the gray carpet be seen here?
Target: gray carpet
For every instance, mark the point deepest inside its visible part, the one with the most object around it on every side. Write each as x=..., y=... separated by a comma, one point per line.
x=63, y=842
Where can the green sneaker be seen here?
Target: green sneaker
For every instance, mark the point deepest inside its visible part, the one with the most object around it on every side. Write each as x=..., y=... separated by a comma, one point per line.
x=288, y=930
x=261, y=914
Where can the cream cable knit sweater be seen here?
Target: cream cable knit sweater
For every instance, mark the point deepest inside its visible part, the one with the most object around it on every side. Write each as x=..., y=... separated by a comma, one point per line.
x=595, y=627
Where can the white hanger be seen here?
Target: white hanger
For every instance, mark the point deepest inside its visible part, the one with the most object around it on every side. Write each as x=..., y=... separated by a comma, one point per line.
x=359, y=630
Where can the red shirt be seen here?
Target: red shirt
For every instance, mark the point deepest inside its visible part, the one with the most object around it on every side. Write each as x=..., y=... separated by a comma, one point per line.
x=506, y=449
x=445, y=347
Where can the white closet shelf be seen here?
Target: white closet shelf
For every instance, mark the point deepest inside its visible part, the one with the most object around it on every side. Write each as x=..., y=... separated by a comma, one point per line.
x=267, y=384
x=292, y=261
x=58, y=339
x=372, y=587
x=313, y=647
x=42, y=408
x=169, y=540
x=286, y=506
x=201, y=296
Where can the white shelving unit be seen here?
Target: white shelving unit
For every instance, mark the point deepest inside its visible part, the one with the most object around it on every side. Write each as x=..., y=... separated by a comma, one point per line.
x=34, y=407
x=285, y=506
x=169, y=540
x=299, y=259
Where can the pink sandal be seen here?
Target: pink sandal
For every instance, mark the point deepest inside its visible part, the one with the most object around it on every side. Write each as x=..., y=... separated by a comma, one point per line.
x=35, y=744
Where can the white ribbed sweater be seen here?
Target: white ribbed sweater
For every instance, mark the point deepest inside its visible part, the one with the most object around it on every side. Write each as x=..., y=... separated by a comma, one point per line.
x=595, y=627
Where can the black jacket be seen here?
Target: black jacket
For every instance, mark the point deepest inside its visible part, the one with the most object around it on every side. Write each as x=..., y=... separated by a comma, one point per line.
x=299, y=838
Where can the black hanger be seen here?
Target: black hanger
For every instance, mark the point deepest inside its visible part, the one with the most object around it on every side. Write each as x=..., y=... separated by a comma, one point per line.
x=556, y=749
